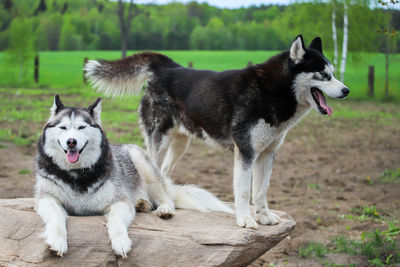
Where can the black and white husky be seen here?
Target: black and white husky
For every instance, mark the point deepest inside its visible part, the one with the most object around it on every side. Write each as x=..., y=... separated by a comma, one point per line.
x=79, y=173
x=250, y=110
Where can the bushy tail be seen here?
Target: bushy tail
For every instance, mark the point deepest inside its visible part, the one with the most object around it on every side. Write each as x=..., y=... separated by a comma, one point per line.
x=125, y=76
x=194, y=198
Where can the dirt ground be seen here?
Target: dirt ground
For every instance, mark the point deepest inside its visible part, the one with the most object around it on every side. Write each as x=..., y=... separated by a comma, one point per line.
x=319, y=173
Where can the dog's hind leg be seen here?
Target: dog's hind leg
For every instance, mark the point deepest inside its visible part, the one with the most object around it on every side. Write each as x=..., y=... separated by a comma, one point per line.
x=156, y=146
x=119, y=216
x=54, y=216
x=177, y=147
x=241, y=185
x=154, y=182
x=261, y=176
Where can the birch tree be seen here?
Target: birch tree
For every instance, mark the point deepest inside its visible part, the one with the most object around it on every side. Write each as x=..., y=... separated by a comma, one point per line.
x=334, y=34
x=345, y=41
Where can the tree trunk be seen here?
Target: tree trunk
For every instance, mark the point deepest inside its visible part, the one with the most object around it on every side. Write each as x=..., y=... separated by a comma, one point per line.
x=345, y=40
x=334, y=35
x=125, y=25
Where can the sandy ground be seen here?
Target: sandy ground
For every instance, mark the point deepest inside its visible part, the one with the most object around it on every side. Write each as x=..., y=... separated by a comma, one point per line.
x=319, y=173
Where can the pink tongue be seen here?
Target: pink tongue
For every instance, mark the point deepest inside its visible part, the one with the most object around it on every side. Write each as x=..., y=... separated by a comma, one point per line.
x=72, y=156
x=323, y=104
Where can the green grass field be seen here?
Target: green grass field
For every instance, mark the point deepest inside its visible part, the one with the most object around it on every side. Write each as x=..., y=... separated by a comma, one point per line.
x=64, y=69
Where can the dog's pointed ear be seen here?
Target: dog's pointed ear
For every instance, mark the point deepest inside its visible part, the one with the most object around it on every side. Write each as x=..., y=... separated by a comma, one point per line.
x=297, y=50
x=95, y=110
x=316, y=44
x=57, y=106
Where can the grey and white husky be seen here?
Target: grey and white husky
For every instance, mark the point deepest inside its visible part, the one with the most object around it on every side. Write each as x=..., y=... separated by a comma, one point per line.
x=249, y=110
x=79, y=173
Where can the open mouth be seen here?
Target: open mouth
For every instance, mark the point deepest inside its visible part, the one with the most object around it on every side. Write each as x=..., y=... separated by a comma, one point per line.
x=319, y=98
x=73, y=154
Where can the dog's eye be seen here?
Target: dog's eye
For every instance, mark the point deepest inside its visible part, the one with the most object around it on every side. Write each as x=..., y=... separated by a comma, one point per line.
x=325, y=75
x=81, y=127
x=63, y=128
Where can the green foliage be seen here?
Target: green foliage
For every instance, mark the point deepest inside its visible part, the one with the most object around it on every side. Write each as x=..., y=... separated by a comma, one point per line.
x=365, y=213
x=371, y=212
x=391, y=176
x=314, y=186
x=69, y=39
x=90, y=25
x=20, y=49
x=24, y=171
x=313, y=248
x=378, y=246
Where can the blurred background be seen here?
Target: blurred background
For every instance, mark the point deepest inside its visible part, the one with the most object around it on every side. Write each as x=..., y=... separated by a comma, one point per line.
x=339, y=177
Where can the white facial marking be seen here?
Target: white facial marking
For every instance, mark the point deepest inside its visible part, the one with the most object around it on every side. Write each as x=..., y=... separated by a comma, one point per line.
x=305, y=81
x=88, y=138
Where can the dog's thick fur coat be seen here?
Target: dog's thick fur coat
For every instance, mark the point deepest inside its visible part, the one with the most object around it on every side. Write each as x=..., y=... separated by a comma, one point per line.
x=79, y=173
x=250, y=110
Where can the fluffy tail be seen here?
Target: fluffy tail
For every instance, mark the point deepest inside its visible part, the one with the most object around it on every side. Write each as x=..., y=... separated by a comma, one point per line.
x=194, y=198
x=125, y=76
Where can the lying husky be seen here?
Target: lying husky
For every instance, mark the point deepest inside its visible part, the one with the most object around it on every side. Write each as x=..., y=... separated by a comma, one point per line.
x=79, y=173
x=250, y=110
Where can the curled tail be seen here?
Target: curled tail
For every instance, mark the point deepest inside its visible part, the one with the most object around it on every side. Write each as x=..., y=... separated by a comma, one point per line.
x=125, y=76
x=194, y=198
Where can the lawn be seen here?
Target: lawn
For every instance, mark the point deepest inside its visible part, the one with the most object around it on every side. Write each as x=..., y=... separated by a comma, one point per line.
x=64, y=69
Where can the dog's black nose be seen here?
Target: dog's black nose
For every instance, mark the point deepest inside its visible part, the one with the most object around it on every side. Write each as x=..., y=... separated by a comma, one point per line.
x=71, y=143
x=345, y=91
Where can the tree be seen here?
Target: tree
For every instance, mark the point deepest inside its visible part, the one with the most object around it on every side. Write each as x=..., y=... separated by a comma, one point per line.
x=20, y=48
x=345, y=41
x=388, y=41
x=334, y=34
x=125, y=25
x=69, y=39
x=53, y=26
x=42, y=7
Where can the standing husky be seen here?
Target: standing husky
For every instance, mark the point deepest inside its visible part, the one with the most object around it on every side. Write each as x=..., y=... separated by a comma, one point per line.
x=79, y=173
x=250, y=109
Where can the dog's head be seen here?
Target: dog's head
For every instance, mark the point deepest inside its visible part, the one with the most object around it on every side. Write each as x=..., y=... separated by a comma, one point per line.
x=72, y=136
x=313, y=75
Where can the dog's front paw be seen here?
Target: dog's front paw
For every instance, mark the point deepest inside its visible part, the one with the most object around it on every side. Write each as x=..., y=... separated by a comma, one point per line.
x=121, y=244
x=266, y=217
x=165, y=211
x=58, y=243
x=246, y=221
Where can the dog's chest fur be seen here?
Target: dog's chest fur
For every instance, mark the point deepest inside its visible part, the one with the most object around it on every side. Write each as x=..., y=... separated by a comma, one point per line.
x=262, y=134
x=76, y=203
x=120, y=181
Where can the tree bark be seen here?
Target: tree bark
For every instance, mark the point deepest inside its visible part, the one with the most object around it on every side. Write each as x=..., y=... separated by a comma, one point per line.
x=345, y=41
x=125, y=25
x=334, y=34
